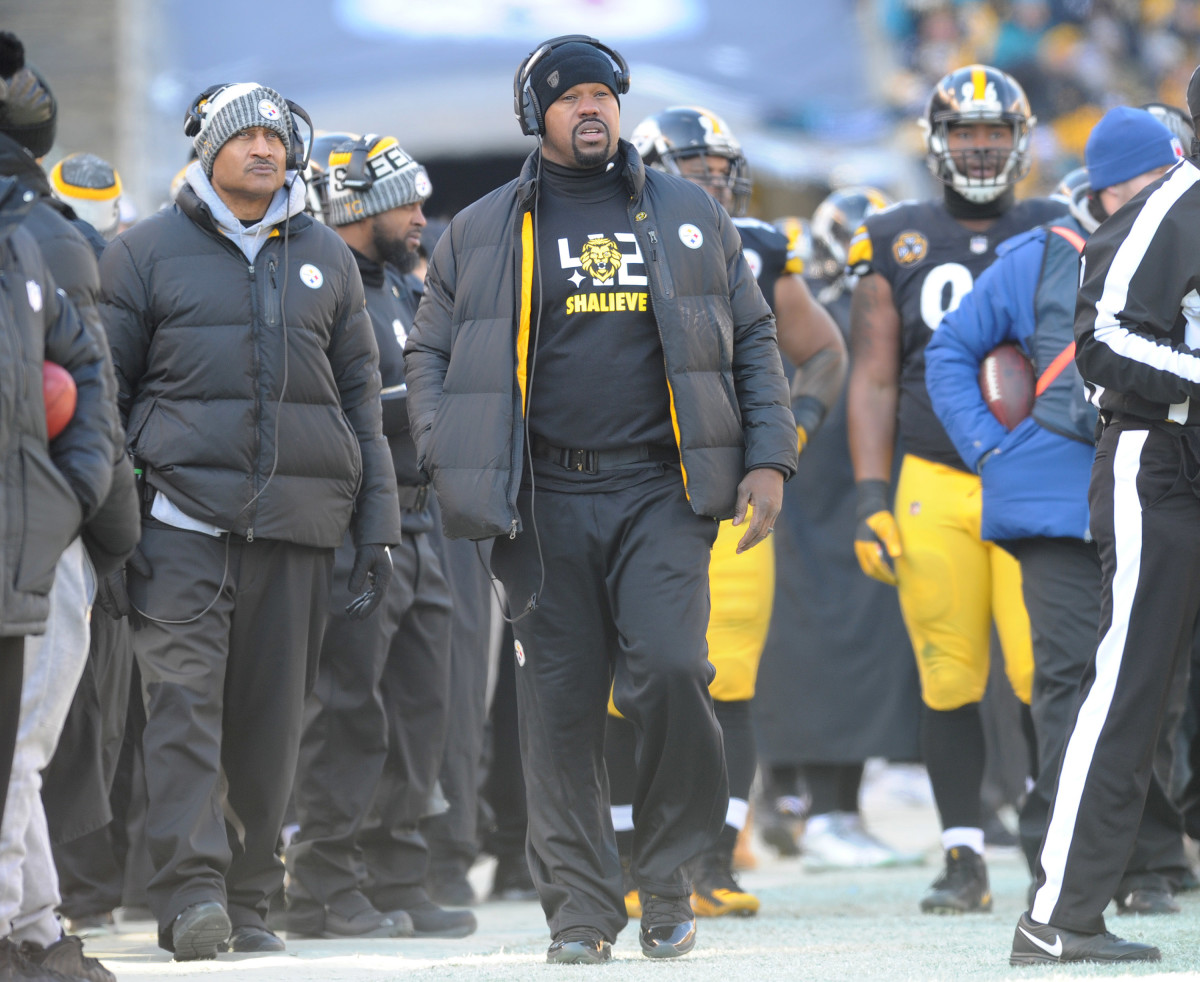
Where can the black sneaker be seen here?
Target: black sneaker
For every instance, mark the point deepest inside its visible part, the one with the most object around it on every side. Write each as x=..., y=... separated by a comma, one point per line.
x=579, y=946
x=715, y=892
x=1036, y=943
x=963, y=886
x=252, y=938
x=15, y=967
x=449, y=885
x=199, y=930
x=431, y=921
x=66, y=956
x=668, y=926
x=1147, y=900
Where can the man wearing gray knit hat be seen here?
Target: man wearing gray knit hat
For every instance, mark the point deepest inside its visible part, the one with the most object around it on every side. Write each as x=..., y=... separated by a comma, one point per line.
x=248, y=377
x=371, y=748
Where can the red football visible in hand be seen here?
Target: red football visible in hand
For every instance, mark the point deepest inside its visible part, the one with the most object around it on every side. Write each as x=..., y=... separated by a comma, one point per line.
x=58, y=391
x=1007, y=383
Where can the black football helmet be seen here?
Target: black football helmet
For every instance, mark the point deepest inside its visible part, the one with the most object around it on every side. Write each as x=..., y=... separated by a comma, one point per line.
x=978, y=94
x=316, y=176
x=1076, y=190
x=841, y=214
x=680, y=132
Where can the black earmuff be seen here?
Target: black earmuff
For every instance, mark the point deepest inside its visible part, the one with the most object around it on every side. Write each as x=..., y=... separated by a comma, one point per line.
x=193, y=121
x=525, y=103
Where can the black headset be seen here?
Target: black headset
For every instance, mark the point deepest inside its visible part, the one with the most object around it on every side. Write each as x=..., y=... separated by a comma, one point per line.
x=525, y=104
x=359, y=177
x=193, y=121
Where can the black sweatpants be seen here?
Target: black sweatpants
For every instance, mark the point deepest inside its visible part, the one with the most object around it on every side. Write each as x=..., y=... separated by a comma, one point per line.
x=1145, y=518
x=625, y=600
x=378, y=708
x=12, y=672
x=1061, y=580
x=224, y=698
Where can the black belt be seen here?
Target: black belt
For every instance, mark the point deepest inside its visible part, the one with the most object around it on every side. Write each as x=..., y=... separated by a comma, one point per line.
x=413, y=496
x=595, y=461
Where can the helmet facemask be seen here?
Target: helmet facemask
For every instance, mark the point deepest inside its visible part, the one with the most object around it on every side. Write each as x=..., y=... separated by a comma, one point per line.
x=736, y=183
x=979, y=174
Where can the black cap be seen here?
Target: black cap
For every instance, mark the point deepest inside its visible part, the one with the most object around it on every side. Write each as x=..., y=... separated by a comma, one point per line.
x=28, y=111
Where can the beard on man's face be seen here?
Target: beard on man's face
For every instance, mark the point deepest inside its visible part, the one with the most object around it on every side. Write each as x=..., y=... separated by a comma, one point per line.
x=395, y=252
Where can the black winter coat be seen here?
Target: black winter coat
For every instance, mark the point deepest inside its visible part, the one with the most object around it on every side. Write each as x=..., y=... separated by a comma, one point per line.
x=250, y=391
x=46, y=490
x=465, y=358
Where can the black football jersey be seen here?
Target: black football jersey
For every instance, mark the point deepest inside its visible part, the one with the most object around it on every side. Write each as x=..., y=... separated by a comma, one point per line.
x=931, y=262
x=766, y=251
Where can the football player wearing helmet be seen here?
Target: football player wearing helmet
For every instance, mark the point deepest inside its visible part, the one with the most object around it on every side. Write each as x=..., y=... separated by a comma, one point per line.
x=916, y=262
x=698, y=145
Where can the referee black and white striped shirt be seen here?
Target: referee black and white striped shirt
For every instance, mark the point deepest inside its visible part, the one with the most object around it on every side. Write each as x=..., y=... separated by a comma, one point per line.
x=1137, y=318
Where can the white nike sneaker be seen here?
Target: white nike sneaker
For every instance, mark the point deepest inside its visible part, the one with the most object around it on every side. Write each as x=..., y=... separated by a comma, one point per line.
x=838, y=840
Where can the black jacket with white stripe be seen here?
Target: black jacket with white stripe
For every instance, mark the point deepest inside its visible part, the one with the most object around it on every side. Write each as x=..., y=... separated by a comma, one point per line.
x=1137, y=318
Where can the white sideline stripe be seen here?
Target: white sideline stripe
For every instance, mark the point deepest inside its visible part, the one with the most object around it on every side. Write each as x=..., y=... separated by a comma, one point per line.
x=735, y=814
x=622, y=818
x=1081, y=747
x=1107, y=328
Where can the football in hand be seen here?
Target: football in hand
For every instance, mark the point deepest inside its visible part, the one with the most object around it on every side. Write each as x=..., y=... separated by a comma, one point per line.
x=1007, y=383
x=58, y=392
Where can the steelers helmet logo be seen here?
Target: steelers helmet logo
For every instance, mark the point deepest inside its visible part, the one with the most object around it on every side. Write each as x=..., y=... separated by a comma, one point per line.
x=754, y=260
x=909, y=247
x=311, y=277
x=267, y=109
x=600, y=259
x=691, y=236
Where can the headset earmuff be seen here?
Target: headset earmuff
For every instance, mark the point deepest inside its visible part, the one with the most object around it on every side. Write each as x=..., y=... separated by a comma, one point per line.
x=359, y=176
x=525, y=103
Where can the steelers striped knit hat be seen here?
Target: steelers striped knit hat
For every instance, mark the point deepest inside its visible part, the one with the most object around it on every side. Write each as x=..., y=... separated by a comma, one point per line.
x=92, y=188
x=235, y=108
x=371, y=176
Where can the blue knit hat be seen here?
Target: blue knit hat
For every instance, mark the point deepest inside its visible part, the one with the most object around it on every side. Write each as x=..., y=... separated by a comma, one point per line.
x=1126, y=143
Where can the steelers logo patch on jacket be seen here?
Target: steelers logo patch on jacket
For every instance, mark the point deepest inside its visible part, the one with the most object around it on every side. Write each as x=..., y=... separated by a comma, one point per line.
x=603, y=272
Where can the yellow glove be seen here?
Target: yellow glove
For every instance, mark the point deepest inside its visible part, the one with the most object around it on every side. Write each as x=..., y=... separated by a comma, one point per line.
x=876, y=532
x=801, y=438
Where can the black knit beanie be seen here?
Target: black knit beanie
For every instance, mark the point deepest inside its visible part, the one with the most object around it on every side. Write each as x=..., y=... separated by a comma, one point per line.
x=569, y=65
x=28, y=111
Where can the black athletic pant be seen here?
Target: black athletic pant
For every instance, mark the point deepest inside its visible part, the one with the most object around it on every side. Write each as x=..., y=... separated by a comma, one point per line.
x=625, y=600
x=1061, y=581
x=504, y=788
x=453, y=836
x=12, y=673
x=1145, y=518
x=374, y=727
x=224, y=697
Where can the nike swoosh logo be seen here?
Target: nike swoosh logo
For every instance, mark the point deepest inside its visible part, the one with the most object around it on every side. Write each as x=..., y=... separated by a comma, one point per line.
x=1050, y=949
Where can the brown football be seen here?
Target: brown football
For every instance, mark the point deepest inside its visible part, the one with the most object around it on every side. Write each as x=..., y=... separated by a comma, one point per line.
x=1007, y=383
x=58, y=391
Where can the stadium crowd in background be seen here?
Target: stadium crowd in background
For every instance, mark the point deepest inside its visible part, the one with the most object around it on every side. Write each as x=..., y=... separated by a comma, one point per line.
x=391, y=571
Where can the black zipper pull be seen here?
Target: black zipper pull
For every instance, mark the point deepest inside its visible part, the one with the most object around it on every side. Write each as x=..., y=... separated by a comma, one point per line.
x=653, y=243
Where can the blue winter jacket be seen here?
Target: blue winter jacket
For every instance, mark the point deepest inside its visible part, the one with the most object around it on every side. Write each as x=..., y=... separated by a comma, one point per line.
x=1036, y=483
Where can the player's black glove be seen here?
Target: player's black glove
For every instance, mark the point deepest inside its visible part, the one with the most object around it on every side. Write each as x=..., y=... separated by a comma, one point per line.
x=876, y=532
x=373, y=570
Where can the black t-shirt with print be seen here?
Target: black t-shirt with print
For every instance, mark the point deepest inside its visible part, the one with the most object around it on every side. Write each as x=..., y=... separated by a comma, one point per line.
x=597, y=378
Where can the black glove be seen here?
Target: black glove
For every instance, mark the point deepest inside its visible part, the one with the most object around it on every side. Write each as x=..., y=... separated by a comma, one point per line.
x=372, y=569
x=112, y=594
x=877, y=539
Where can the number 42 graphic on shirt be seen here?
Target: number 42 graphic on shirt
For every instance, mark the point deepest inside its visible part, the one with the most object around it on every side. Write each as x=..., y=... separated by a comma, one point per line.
x=604, y=259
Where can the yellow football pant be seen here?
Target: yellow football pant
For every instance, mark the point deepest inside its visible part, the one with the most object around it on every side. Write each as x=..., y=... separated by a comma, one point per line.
x=742, y=591
x=952, y=585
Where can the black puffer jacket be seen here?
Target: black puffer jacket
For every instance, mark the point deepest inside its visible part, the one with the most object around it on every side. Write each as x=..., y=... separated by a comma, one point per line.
x=465, y=357
x=45, y=490
x=250, y=391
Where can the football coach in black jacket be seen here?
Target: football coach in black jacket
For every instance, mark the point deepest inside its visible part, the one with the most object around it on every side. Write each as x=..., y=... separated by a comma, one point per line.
x=594, y=380
x=248, y=378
